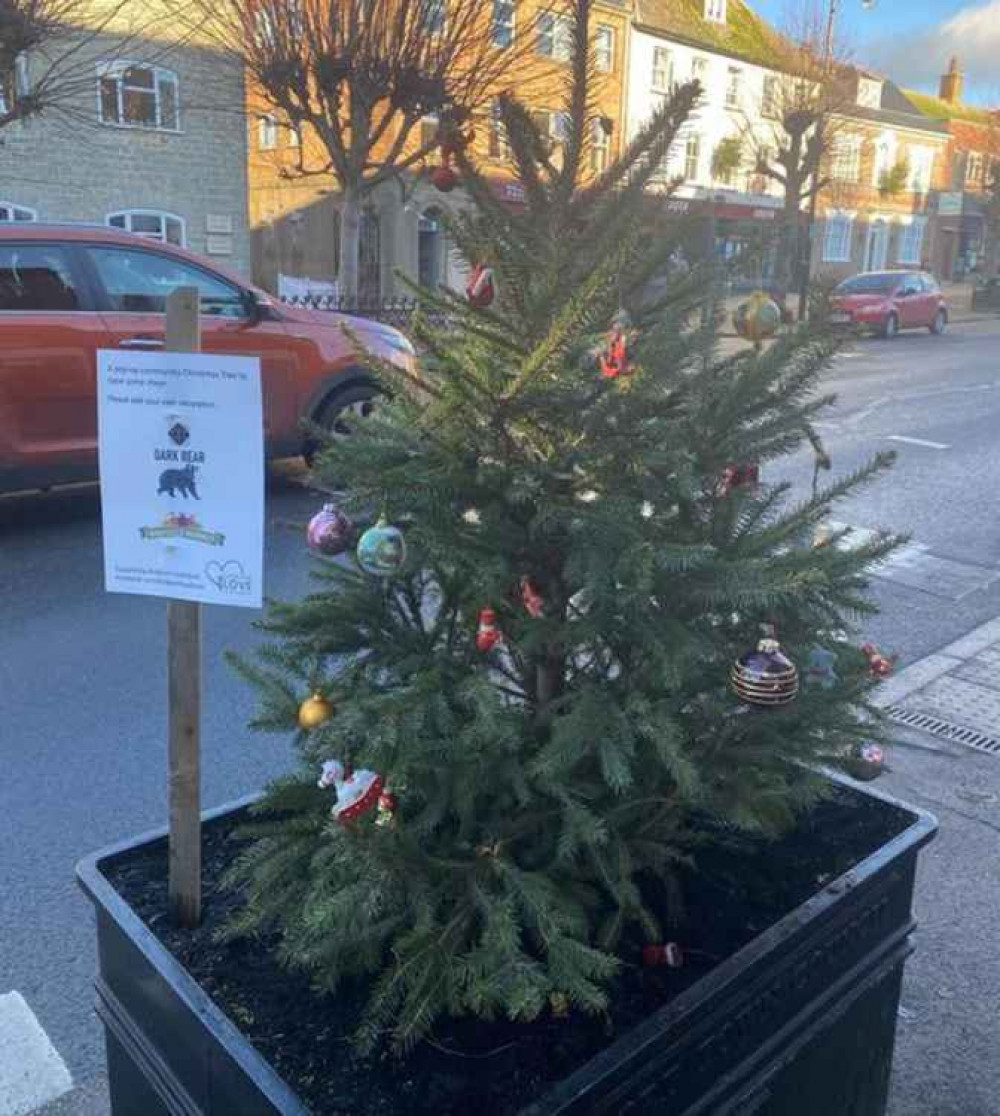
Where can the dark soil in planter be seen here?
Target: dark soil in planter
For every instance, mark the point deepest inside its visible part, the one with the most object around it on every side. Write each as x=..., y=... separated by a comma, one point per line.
x=491, y=1069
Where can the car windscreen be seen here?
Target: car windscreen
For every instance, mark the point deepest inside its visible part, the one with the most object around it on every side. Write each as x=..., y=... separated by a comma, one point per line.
x=868, y=284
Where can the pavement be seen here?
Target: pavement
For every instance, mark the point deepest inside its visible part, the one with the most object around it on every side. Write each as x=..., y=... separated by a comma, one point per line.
x=82, y=678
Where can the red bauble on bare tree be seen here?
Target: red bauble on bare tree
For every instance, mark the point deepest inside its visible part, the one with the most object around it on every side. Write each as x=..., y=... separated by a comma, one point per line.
x=444, y=179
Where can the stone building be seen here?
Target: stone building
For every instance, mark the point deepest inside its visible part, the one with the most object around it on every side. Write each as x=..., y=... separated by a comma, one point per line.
x=153, y=142
x=294, y=219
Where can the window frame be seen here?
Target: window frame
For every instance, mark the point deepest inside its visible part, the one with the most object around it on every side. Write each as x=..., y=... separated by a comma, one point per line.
x=268, y=128
x=692, y=138
x=559, y=35
x=844, y=242
x=164, y=216
x=845, y=154
x=734, y=86
x=508, y=25
x=667, y=84
x=116, y=70
x=13, y=208
x=920, y=159
x=600, y=147
x=975, y=168
x=436, y=17
x=715, y=11
x=909, y=228
x=769, y=97
x=607, y=52
x=498, y=142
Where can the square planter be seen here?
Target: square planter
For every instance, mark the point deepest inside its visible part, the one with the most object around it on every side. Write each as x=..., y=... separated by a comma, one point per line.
x=801, y=1019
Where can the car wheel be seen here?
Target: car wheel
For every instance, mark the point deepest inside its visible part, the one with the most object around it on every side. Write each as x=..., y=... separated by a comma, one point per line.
x=940, y=323
x=357, y=401
x=891, y=327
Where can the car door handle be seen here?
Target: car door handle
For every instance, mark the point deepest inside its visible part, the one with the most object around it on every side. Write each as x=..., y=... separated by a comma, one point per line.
x=141, y=343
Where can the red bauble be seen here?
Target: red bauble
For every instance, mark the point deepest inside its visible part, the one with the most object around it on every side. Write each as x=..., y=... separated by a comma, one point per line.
x=880, y=665
x=738, y=476
x=531, y=599
x=444, y=178
x=669, y=954
x=481, y=290
x=488, y=635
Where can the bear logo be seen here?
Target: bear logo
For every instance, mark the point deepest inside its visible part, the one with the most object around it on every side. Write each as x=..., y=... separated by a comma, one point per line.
x=178, y=480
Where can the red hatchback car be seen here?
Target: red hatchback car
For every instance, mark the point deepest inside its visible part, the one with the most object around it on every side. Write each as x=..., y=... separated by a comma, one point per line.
x=885, y=302
x=68, y=290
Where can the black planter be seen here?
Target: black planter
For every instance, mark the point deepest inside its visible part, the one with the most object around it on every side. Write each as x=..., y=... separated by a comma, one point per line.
x=800, y=1022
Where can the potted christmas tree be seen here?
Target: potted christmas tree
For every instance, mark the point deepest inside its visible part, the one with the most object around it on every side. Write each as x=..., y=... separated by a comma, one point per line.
x=564, y=837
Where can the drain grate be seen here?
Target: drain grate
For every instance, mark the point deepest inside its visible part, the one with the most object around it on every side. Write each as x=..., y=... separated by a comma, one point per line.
x=971, y=738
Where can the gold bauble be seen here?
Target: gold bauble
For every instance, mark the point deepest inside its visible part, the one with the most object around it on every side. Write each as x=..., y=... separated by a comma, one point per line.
x=314, y=711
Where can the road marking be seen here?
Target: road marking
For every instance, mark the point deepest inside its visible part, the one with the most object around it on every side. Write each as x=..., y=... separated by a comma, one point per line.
x=31, y=1071
x=917, y=441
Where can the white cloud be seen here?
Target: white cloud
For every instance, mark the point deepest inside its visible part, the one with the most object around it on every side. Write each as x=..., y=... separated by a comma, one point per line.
x=917, y=60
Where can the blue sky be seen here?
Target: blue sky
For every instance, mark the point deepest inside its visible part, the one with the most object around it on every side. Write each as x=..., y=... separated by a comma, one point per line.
x=911, y=40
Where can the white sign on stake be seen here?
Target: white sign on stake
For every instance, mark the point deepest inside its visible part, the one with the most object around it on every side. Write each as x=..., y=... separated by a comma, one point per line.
x=181, y=451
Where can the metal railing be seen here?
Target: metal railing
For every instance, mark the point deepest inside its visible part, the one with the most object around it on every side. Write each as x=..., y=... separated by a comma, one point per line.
x=396, y=312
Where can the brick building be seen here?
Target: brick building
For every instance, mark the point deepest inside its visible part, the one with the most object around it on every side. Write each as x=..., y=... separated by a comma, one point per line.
x=152, y=147
x=966, y=233
x=294, y=220
x=885, y=164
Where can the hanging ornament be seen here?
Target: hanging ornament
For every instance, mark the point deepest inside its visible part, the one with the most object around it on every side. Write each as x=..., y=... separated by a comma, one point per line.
x=613, y=358
x=314, y=711
x=559, y=1004
x=738, y=476
x=382, y=549
x=757, y=318
x=867, y=761
x=444, y=178
x=669, y=954
x=765, y=678
x=481, y=289
x=357, y=791
x=387, y=807
x=822, y=535
x=532, y=600
x=880, y=665
x=330, y=531
x=821, y=668
x=488, y=634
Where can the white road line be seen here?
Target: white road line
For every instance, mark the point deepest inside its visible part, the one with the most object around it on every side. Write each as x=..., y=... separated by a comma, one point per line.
x=917, y=441
x=31, y=1071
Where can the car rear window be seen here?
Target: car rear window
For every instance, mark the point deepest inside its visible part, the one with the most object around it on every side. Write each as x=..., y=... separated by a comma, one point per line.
x=868, y=284
x=36, y=277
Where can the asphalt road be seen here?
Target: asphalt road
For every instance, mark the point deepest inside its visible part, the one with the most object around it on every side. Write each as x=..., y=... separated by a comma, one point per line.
x=82, y=674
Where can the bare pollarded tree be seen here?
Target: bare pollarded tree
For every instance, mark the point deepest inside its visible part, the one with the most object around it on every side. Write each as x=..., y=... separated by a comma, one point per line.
x=360, y=75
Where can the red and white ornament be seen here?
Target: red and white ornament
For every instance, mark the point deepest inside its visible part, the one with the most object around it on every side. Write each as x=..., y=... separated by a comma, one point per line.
x=738, y=476
x=357, y=791
x=880, y=665
x=532, y=600
x=613, y=358
x=669, y=954
x=387, y=807
x=488, y=635
x=481, y=288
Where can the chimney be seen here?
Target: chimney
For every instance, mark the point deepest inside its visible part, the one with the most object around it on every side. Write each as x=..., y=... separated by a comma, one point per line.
x=951, y=84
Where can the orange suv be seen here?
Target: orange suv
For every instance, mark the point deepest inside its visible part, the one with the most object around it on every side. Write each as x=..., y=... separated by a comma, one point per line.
x=68, y=290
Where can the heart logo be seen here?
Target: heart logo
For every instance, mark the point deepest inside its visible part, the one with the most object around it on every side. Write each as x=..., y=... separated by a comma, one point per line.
x=226, y=576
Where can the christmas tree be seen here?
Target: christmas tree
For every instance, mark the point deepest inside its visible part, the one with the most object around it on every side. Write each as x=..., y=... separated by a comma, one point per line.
x=537, y=685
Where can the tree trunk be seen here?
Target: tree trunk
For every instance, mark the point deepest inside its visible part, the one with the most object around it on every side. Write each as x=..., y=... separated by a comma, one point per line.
x=350, y=243
x=788, y=247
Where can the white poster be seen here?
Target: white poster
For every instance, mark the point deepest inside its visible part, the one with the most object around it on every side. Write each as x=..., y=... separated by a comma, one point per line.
x=181, y=449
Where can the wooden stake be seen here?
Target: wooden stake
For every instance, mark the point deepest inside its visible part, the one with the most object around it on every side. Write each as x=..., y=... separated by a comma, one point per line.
x=184, y=688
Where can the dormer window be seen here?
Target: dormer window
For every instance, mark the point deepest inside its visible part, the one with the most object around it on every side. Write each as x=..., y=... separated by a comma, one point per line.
x=869, y=93
x=715, y=11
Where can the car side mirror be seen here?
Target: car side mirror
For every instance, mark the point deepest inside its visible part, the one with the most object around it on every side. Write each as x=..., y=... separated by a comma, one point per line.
x=252, y=308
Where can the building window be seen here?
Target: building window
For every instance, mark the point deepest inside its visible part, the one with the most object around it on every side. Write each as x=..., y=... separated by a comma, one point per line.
x=885, y=153
x=845, y=158
x=663, y=70
x=837, y=238
x=267, y=133
x=430, y=249
x=134, y=95
x=151, y=224
x=428, y=130
x=20, y=85
x=770, y=102
x=974, y=168
x=499, y=145
x=921, y=167
x=434, y=13
x=503, y=23
x=715, y=11
x=554, y=126
x=9, y=212
x=734, y=80
x=692, y=158
x=911, y=241
x=869, y=93
x=600, y=146
x=604, y=49
x=699, y=70
x=555, y=37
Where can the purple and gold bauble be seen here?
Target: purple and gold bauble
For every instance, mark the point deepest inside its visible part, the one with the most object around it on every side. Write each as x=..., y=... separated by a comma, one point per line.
x=330, y=532
x=765, y=678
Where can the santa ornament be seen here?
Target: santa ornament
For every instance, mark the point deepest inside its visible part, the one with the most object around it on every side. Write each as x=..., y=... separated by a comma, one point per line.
x=613, y=358
x=488, y=635
x=481, y=289
x=532, y=600
x=880, y=665
x=357, y=791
